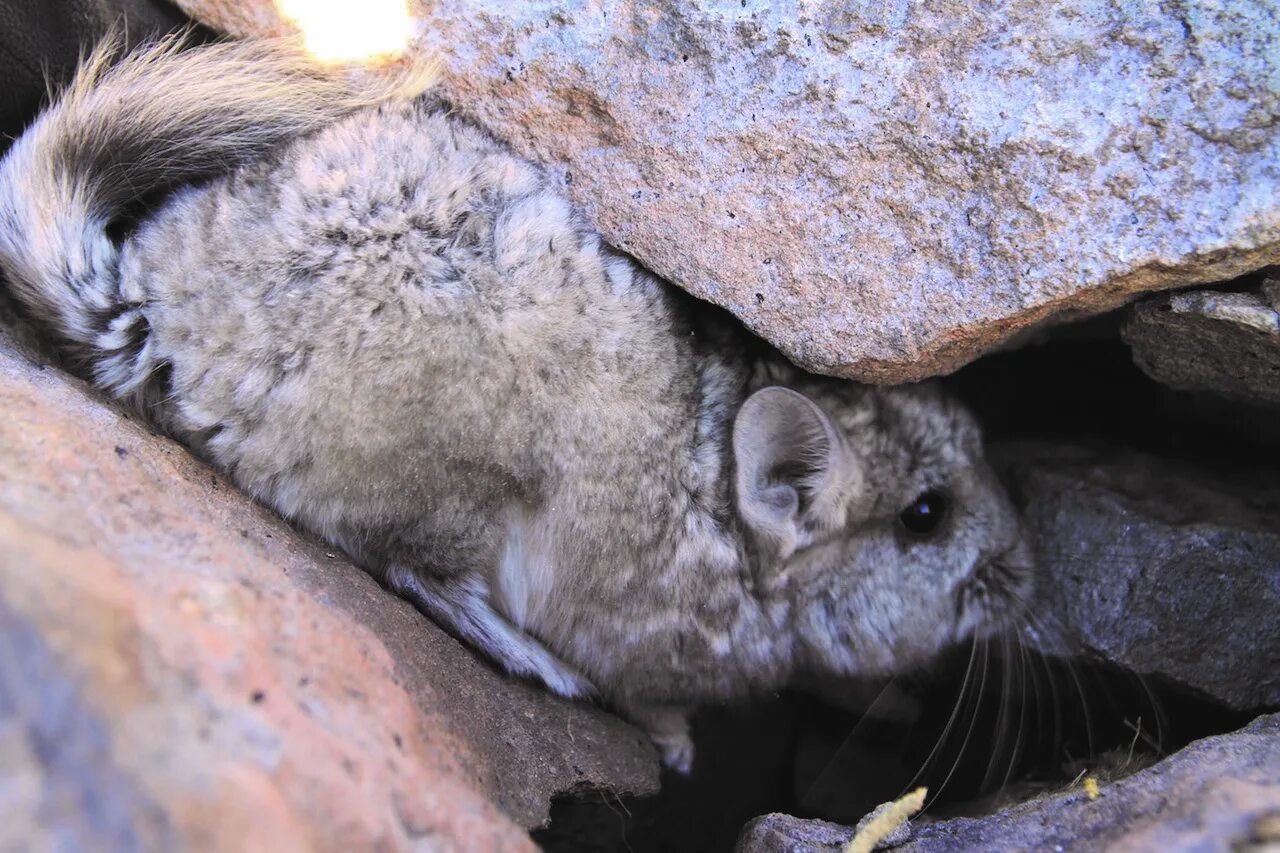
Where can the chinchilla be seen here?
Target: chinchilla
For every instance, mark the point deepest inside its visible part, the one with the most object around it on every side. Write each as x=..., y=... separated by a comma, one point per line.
x=391, y=329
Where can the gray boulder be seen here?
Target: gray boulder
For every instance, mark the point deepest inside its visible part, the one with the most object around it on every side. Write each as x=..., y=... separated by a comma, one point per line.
x=1157, y=567
x=886, y=190
x=1225, y=343
x=1220, y=793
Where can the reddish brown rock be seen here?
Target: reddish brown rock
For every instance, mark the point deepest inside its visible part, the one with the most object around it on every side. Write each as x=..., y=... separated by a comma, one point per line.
x=180, y=668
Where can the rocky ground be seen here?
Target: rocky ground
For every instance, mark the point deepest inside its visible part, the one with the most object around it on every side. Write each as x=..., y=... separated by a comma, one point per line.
x=885, y=192
x=1217, y=793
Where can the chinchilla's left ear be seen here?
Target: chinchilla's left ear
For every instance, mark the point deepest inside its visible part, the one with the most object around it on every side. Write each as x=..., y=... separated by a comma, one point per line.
x=794, y=471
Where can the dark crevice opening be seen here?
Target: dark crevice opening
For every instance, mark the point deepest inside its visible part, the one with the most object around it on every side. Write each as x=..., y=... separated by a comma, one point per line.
x=1011, y=740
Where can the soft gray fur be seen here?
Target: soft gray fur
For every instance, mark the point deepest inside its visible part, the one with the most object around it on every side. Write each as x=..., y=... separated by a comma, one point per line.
x=392, y=330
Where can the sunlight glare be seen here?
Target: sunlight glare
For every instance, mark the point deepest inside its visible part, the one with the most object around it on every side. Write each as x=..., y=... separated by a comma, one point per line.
x=351, y=30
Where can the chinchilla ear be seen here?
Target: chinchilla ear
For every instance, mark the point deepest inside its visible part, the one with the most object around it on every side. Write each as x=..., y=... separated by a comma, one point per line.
x=792, y=468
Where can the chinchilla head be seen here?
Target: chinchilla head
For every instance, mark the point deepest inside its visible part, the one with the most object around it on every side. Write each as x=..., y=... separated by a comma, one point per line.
x=873, y=513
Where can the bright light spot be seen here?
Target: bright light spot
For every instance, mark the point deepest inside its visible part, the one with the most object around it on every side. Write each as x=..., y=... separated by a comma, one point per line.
x=350, y=30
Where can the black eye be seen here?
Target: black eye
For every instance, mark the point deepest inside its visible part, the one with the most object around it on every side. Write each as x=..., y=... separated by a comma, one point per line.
x=925, y=513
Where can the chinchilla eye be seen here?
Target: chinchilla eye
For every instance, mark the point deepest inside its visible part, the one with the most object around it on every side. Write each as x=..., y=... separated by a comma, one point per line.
x=924, y=514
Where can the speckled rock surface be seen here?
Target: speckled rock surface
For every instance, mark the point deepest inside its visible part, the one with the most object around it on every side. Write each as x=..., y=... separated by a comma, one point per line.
x=1161, y=568
x=886, y=190
x=1220, y=793
x=178, y=668
x=1224, y=343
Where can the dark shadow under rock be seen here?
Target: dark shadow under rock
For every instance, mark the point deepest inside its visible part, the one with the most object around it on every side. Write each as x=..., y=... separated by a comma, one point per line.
x=43, y=39
x=743, y=767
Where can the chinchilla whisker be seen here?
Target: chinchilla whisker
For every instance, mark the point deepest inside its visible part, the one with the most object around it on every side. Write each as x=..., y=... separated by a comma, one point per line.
x=961, y=697
x=824, y=775
x=1022, y=711
x=968, y=735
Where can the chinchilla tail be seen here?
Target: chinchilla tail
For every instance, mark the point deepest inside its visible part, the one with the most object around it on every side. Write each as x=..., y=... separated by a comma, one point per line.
x=128, y=127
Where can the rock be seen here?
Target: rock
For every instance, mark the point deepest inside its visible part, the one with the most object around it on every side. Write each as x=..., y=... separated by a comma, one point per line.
x=1271, y=291
x=885, y=191
x=1227, y=343
x=1216, y=794
x=1220, y=793
x=180, y=669
x=1142, y=556
x=780, y=833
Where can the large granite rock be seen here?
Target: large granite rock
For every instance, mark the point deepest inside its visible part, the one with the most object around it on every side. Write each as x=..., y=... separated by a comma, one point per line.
x=1158, y=567
x=180, y=669
x=1220, y=793
x=886, y=190
x=1224, y=343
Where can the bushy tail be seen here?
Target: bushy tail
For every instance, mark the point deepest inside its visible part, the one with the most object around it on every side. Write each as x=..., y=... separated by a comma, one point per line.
x=124, y=130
